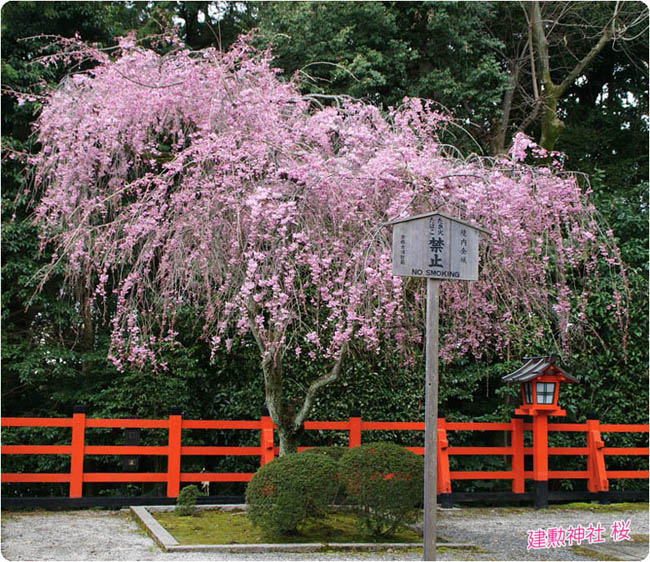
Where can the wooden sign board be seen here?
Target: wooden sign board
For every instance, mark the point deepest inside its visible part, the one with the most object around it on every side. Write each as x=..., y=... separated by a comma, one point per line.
x=436, y=246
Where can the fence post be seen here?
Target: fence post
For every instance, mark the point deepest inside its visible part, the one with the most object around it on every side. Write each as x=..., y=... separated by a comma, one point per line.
x=540, y=459
x=444, y=478
x=77, y=451
x=174, y=453
x=517, y=445
x=266, y=438
x=355, y=429
x=597, y=481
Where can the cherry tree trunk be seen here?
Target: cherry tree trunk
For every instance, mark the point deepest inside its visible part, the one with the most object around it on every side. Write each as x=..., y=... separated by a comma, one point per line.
x=288, y=440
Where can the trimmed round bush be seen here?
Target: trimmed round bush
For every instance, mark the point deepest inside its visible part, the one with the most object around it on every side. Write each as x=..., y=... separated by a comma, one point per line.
x=335, y=453
x=385, y=485
x=289, y=490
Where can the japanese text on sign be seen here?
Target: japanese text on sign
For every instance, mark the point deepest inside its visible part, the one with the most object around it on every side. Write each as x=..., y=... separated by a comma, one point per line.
x=435, y=246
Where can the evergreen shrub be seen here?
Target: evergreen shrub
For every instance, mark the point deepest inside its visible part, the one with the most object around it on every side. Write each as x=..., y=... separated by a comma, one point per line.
x=334, y=452
x=289, y=490
x=385, y=485
x=186, y=501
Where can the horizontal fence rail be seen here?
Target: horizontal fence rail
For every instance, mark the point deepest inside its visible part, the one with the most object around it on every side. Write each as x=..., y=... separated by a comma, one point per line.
x=594, y=450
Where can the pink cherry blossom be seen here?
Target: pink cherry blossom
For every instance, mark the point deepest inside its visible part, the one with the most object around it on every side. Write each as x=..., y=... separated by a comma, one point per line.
x=205, y=181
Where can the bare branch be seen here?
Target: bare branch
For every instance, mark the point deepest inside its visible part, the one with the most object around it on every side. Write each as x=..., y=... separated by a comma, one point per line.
x=579, y=68
x=321, y=381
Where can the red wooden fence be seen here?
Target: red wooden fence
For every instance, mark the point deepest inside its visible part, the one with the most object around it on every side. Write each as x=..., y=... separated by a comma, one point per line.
x=595, y=451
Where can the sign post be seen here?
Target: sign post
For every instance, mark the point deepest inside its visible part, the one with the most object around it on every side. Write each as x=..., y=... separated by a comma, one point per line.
x=435, y=246
x=431, y=421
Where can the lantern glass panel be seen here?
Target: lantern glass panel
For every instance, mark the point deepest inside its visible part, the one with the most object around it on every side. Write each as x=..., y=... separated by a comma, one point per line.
x=528, y=393
x=545, y=392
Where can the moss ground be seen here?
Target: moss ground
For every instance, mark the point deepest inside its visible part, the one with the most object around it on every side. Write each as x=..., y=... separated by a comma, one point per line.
x=575, y=506
x=219, y=527
x=590, y=553
x=603, y=508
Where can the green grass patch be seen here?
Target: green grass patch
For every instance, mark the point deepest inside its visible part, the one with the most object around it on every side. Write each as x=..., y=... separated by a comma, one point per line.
x=233, y=527
x=602, y=508
x=640, y=538
x=591, y=554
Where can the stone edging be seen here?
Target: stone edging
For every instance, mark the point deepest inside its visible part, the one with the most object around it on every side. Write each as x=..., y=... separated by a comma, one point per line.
x=169, y=544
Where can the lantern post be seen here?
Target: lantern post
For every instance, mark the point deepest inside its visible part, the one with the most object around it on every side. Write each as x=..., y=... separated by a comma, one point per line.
x=439, y=248
x=540, y=379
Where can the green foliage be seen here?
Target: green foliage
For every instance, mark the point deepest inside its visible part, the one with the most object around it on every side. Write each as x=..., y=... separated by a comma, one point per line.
x=454, y=59
x=186, y=501
x=46, y=344
x=381, y=386
x=342, y=48
x=289, y=490
x=387, y=50
x=385, y=484
x=335, y=453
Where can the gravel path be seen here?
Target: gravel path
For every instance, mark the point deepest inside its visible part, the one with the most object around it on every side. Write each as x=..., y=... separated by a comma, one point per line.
x=501, y=534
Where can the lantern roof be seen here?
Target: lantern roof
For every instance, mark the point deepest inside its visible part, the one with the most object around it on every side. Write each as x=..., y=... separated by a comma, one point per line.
x=536, y=367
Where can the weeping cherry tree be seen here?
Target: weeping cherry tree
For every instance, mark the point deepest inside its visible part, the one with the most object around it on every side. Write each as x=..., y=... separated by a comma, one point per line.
x=204, y=182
